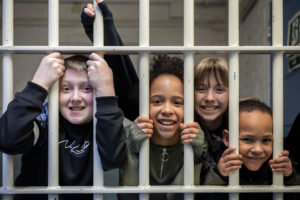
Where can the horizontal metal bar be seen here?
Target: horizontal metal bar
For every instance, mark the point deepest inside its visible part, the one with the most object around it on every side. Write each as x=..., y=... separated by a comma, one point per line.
x=149, y=49
x=149, y=189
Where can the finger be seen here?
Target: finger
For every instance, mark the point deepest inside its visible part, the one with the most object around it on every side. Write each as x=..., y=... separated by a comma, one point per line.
x=228, y=151
x=232, y=163
x=191, y=125
x=281, y=160
x=284, y=153
x=141, y=119
x=188, y=141
x=98, y=1
x=94, y=56
x=145, y=125
x=55, y=55
x=188, y=137
x=229, y=169
x=232, y=157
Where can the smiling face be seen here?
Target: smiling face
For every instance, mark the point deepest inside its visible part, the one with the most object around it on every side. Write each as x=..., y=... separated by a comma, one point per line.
x=166, y=109
x=76, y=97
x=256, y=138
x=211, y=100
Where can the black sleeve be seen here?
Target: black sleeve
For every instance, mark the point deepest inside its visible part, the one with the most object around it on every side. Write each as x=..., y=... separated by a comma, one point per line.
x=110, y=135
x=17, y=123
x=291, y=142
x=125, y=77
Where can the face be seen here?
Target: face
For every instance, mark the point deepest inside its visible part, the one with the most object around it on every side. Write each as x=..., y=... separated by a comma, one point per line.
x=166, y=109
x=256, y=138
x=211, y=101
x=76, y=97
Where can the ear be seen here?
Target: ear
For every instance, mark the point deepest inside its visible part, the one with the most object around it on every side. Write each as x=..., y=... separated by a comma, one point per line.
x=226, y=137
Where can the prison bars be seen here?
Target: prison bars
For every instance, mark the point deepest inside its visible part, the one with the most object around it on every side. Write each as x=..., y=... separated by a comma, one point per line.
x=7, y=85
x=234, y=50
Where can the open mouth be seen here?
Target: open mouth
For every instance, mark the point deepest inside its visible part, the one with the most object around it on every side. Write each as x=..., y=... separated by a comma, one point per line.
x=76, y=108
x=166, y=123
x=209, y=108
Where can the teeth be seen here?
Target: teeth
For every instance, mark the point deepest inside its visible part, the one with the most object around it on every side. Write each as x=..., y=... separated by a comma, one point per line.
x=166, y=122
x=77, y=108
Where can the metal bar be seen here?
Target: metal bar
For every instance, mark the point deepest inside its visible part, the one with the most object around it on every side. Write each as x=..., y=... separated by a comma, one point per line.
x=53, y=155
x=98, y=174
x=233, y=40
x=7, y=78
x=188, y=93
x=144, y=168
x=149, y=49
x=150, y=189
x=277, y=63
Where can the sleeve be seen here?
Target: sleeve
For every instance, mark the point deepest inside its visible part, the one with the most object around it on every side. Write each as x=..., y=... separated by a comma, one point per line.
x=213, y=177
x=110, y=135
x=135, y=137
x=291, y=143
x=293, y=179
x=19, y=128
x=199, y=146
x=125, y=77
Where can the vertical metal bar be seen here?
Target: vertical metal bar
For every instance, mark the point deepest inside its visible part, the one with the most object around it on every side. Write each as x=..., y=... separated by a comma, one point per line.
x=7, y=86
x=277, y=40
x=233, y=40
x=144, y=92
x=98, y=176
x=188, y=93
x=53, y=155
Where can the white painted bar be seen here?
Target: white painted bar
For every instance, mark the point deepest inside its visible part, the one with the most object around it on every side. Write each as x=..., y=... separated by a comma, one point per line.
x=277, y=64
x=144, y=17
x=233, y=40
x=98, y=174
x=188, y=40
x=150, y=189
x=7, y=86
x=150, y=49
x=53, y=155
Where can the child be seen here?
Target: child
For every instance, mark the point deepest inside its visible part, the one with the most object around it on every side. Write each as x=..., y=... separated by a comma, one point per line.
x=211, y=104
x=125, y=77
x=21, y=133
x=255, y=151
x=165, y=129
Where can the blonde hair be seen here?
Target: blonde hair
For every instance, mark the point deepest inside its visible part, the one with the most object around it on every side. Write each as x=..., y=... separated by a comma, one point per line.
x=217, y=66
x=76, y=62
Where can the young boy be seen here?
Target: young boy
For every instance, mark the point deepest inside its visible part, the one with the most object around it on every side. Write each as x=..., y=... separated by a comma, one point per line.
x=165, y=128
x=20, y=133
x=256, y=146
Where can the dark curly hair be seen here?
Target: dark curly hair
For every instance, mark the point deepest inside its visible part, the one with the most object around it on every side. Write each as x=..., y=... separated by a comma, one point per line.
x=163, y=64
x=251, y=104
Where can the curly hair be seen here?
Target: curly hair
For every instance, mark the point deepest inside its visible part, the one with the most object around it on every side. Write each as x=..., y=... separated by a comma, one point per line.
x=164, y=64
x=251, y=104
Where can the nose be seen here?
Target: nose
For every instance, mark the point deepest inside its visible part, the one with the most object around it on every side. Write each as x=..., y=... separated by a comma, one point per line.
x=167, y=109
x=76, y=96
x=210, y=95
x=257, y=148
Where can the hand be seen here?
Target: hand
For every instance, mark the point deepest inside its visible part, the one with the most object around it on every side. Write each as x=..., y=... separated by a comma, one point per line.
x=145, y=124
x=282, y=163
x=89, y=10
x=50, y=70
x=100, y=76
x=189, y=132
x=229, y=162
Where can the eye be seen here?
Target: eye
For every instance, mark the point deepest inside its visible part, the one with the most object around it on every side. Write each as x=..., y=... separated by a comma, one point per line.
x=65, y=89
x=247, y=140
x=220, y=89
x=178, y=102
x=267, y=140
x=87, y=88
x=156, y=101
x=201, y=88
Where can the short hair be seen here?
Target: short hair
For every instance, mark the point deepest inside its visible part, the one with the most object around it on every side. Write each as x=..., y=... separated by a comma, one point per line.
x=217, y=66
x=251, y=104
x=76, y=62
x=167, y=65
